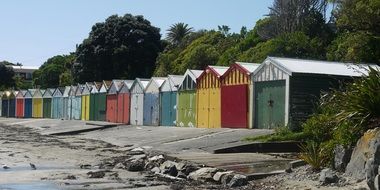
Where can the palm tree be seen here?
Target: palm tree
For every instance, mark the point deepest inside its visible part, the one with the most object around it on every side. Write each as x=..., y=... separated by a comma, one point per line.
x=177, y=32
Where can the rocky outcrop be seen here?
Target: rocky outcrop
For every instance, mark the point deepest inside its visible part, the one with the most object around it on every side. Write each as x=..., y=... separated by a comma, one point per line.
x=342, y=156
x=365, y=159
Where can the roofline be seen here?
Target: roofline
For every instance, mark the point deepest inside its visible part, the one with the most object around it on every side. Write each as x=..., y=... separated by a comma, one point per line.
x=212, y=71
x=269, y=59
x=239, y=67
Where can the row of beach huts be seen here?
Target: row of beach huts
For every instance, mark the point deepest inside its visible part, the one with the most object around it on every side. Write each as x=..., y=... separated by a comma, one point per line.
x=277, y=92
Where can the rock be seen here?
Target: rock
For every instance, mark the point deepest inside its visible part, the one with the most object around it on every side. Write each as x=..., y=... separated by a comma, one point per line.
x=137, y=157
x=72, y=177
x=296, y=164
x=204, y=174
x=172, y=171
x=119, y=166
x=156, y=170
x=96, y=174
x=371, y=172
x=135, y=166
x=181, y=175
x=366, y=148
x=328, y=176
x=288, y=170
x=188, y=168
x=238, y=180
x=167, y=164
x=155, y=158
x=138, y=149
x=342, y=156
x=225, y=179
x=218, y=175
x=377, y=182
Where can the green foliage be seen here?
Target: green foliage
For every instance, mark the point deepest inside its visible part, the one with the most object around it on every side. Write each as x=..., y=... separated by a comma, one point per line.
x=314, y=155
x=6, y=77
x=280, y=134
x=121, y=47
x=50, y=73
x=177, y=32
x=356, y=46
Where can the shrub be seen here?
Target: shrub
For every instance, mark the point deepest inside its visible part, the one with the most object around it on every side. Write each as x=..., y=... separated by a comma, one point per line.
x=314, y=155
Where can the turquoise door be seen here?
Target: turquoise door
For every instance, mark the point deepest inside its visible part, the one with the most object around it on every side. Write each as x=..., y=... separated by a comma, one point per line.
x=270, y=104
x=168, y=108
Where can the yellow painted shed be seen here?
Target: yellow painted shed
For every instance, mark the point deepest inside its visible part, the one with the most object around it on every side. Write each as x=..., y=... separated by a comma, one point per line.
x=37, y=104
x=208, y=97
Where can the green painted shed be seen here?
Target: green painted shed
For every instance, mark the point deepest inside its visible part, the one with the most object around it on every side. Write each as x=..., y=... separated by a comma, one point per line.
x=187, y=99
x=47, y=102
x=286, y=90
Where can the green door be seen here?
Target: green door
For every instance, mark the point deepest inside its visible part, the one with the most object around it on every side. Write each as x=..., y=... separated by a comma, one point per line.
x=270, y=104
x=46, y=108
x=93, y=107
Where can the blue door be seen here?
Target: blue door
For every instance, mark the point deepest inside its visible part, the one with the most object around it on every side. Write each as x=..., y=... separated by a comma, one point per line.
x=28, y=108
x=4, y=105
x=12, y=107
x=151, y=109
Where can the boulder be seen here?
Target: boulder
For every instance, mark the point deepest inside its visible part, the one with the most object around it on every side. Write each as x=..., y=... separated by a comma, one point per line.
x=172, y=171
x=226, y=179
x=377, y=182
x=342, y=156
x=156, y=170
x=218, y=175
x=365, y=158
x=204, y=174
x=328, y=176
x=238, y=180
x=155, y=158
x=135, y=166
x=119, y=166
x=96, y=174
x=137, y=157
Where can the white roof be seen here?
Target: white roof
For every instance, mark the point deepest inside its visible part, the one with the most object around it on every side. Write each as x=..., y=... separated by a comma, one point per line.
x=250, y=67
x=219, y=69
x=290, y=66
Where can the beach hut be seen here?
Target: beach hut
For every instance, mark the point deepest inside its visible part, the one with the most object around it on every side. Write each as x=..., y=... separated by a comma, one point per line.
x=152, y=101
x=168, y=96
x=137, y=101
x=66, y=103
x=5, y=103
x=100, y=103
x=1, y=103
x=12, y=104
x=57, y=103
x=76, y=102
x=93, y=98
x=47, y=102
x=286, y=90
x=123, y=102
x=20, y=103
x=28, y=103
x=208, y=97
x=186, y=101
x=236, y=96
x=37, y=103
x=86, y=101
x=111, y=100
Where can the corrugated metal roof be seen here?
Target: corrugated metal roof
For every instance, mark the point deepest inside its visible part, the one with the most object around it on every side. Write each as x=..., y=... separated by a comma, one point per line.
x=158, y=80
x=320, y=67
x=219, y=69
x=250, y=67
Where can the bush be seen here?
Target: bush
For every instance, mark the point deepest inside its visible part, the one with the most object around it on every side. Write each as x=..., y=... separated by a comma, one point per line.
x=314, y=155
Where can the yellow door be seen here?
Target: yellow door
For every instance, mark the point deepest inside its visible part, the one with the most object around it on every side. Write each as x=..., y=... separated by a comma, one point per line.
x=202, y=108
x=37, y=107
x=215, y=121
x=85, y=107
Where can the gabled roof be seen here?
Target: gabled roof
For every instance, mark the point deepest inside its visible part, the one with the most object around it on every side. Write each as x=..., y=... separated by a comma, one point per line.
x=172, y=83
x=290, y=66
x=37, y=93
x=155, y=84
x=48, y=93
x=115, y=86
x=96, y=87
x=143, y=83
x=6, y=94
x=193, y=74
x=217, y=71
x=73, y=90
x=126, y=86
x=58, y=92
x=79, y=89
x=21, y=93
x=67, y=91
x=246, y=68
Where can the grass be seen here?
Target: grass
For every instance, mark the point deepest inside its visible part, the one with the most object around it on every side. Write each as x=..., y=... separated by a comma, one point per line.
x=280, y=134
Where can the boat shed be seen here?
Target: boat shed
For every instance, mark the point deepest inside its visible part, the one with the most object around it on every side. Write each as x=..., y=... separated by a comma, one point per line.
x=37, y=103
x=208, y=97
x=111, y=100
x=93, y=99
x=137, y=101
x=1, y=102
x=47, y=102
x=168, y=96
x=57, y=103
x=66, y=103
x=20, y=103
x=5, y=103
x=187, y=101
x=85, y=108
x=100, y=105
x=286, y=90
x=76, y=103
x=28, y=103
x=152, y=101
x=124, y=102
x=236, y=93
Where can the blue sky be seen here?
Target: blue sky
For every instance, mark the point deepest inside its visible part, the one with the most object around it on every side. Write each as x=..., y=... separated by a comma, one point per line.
x=33, y=31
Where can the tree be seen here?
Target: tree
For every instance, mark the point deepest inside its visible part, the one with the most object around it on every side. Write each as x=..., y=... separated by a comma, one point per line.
x=121, y=47
x=177, y=32
x=6, y=77
x=50, y=73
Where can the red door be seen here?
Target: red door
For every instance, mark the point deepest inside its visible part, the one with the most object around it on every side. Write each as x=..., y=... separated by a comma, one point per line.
x=111, y=108
x=123, y=103
x=19, y=107
x=234, y=106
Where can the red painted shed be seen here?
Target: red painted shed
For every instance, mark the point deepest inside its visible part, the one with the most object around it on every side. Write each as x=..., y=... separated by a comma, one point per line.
x=20, y=101
x=123, y=102
x=236, y=93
